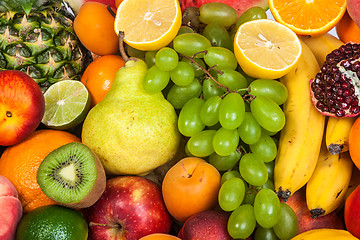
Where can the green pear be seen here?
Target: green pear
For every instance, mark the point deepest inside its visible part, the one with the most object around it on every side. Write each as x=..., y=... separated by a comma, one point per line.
x=130, y=130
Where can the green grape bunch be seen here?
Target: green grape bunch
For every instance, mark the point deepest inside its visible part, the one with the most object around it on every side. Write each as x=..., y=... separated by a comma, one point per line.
x=226, y=117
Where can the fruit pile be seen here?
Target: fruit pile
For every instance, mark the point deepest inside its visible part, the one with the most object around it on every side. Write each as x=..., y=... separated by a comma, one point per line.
x=167, y=119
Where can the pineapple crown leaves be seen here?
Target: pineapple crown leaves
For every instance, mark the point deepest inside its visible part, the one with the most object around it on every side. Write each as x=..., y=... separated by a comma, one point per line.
x=27, y=5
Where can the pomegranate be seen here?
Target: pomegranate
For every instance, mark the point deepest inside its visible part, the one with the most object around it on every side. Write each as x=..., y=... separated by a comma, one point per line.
x=335, y=90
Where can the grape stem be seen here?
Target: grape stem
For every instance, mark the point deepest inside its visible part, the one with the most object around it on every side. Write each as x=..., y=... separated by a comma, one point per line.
x=207, y=72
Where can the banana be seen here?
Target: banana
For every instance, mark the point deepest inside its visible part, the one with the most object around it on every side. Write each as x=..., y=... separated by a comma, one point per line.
x=322, y=45
x=325, y=233
x=337, y=134
x=300, y=139
x=328, y=184
x=338, y=129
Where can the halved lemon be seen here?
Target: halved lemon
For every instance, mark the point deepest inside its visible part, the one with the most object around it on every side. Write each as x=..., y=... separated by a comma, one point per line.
x=148, y=24
x=308, y=17
x=265, y=48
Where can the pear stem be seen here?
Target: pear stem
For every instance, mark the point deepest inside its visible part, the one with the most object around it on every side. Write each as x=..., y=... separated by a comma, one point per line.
x=121, y=46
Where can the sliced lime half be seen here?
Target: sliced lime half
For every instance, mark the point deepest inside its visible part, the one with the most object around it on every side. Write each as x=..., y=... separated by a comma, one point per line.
x=66, y=104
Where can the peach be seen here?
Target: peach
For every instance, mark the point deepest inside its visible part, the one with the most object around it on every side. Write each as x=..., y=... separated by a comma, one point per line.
x=353, y=8
x=189, y=187
x=10, y=209
x=206, y=225
x=22, y=106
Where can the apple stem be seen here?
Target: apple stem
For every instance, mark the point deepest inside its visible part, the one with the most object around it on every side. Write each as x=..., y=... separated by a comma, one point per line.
x=92, y=224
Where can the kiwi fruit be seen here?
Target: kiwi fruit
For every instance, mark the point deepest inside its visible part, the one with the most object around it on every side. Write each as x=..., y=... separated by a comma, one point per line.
x=72, y=175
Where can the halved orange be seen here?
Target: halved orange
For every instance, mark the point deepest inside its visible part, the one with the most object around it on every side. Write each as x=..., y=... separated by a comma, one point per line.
x=308, y=17
x=148, y=24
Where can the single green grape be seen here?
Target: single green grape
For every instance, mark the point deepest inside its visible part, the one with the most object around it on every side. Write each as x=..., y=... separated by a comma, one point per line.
x=253, y=170
x=220, y=57
x=218, y=35
x=267, y=113
x=229, y=174
x=217, y=12
x=267, y=208
x=166, y=59
x=249, y=130
x=133, y=52
x=189, y=44
x=242, y=222
x=225, y=141
x=288, y=225
x=209, y=112
x=200, y=144
x=185, y=29
x=189, y=122
x=231, y=194
x=232, y=111
x=232, y=79
x=269, y=184
x=265, y=148
x=250, y=14
x=150, y=58
x=178, y=96
x=224, y=163
x=210, y=88
x=198, y=71
x=155, y=80
x=270, y=88
x=183, y=74
x=265, y=234
x=270, y=168
x=250, y=193
x=190, y=17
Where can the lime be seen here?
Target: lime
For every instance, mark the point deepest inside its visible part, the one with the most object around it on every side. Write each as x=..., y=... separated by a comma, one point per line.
x=52, y=222
x=66, y=104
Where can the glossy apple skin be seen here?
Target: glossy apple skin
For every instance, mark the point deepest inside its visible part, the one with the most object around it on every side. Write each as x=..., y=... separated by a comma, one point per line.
x=297, y=202
x=206, y=225
x=106, y=2
x=352, y=212
x=10, y=209
x=131, y=207
x=22, y=106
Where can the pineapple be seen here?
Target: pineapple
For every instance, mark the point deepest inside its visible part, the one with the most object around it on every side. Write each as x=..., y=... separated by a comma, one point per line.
x=37, y=37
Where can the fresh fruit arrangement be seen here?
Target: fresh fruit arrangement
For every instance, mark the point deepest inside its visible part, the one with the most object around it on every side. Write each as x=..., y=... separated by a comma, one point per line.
x=168, y=119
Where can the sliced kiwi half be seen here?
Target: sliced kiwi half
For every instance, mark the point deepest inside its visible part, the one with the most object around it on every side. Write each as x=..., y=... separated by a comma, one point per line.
x=72, y=175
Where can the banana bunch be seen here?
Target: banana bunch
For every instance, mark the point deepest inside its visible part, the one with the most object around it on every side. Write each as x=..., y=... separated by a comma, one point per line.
x=328, y=184
x=325, y=233
x=337, y=129
x=301, y=137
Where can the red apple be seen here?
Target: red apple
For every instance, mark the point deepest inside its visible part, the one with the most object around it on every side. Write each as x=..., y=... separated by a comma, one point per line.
x=352, y=212
x=297, y=202
x=131, y=207
x=206, y=225
x=22, y=106
x=10, y=209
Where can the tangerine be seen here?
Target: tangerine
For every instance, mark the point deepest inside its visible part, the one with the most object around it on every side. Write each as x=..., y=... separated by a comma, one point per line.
x=99, y=76
x=94, y=26
x=19, y=163
x=347, y=30
x=159, y=236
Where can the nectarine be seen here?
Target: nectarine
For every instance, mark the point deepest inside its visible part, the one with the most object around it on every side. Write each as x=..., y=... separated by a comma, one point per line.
x=189, y=187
